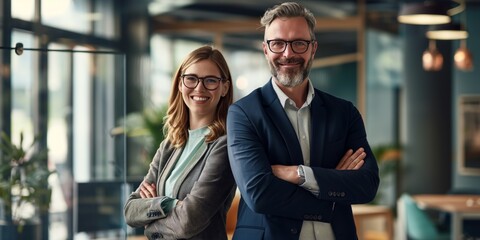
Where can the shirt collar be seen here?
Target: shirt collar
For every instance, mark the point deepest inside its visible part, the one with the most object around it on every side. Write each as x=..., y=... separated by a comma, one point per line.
x=283, y=97
x=199, y=132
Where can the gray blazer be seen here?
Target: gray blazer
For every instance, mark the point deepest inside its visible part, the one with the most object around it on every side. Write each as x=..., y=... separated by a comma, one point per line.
x=206, y=191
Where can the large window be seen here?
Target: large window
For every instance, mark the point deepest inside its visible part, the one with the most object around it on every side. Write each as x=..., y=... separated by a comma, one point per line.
x=24, y=87
x=105, y=20
x=73, y=15
x=59, y=88
x=70, y=91
x=99, y=18
x=23, y=9
x=86, y=101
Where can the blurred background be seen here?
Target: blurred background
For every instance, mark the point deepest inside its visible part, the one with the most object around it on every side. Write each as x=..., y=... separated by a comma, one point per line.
x=84, y=86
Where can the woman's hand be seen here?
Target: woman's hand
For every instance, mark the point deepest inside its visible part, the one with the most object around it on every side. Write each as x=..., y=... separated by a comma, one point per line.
x=148, y=190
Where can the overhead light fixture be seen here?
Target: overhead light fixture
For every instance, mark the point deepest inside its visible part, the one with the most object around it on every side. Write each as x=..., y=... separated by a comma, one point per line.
x=426, y=13
x=449, y=31
x=463, y=57
x=432, y=59
x=429, y=12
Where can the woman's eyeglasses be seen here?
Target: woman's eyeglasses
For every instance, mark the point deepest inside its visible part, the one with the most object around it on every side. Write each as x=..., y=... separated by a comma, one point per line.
x=209, y=82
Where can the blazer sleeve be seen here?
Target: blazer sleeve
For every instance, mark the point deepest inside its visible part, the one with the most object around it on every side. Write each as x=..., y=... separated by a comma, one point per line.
x=349, y=186
x=207, y=197
x=261, y=190
x=140, y=211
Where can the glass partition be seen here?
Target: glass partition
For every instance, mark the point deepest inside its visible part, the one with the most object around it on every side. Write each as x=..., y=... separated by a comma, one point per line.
x=70, y=105
x=81, y=16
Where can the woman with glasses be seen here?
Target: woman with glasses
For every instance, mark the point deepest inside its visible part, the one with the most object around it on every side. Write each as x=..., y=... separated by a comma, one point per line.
x=189, y=187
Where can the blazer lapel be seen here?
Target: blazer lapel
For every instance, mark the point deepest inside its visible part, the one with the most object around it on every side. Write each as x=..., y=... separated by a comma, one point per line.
x=279, y=118
x=195, y=160
x=167, y=169
x=319, y=124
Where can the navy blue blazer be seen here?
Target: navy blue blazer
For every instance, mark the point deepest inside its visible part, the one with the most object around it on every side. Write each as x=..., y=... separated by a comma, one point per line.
x=260, y=135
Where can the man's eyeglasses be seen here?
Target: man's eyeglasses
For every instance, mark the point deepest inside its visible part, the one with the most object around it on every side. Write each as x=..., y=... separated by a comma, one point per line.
x=209, y=82
x=279, y=46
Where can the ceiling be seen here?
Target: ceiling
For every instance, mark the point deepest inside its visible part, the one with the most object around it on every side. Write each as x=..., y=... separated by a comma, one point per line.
x=235, y=24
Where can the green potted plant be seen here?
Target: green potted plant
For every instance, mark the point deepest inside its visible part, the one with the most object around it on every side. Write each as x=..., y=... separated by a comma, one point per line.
x=388, y=159
x=24, y=190
x=145, y=132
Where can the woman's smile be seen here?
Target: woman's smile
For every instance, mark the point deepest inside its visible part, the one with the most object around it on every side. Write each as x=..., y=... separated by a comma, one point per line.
x=200, y=98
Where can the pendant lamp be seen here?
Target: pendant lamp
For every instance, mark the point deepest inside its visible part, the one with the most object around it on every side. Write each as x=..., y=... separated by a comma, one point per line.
x=449, y=31
x=463, y=57
x=432, y=59
x=425, y=13
x=430, y=12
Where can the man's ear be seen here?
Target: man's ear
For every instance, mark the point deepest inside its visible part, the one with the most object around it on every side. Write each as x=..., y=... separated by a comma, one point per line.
x=265, y=48
x=314, y=48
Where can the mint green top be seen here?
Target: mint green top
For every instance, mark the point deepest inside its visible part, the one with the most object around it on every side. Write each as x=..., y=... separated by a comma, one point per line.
x=195, y=139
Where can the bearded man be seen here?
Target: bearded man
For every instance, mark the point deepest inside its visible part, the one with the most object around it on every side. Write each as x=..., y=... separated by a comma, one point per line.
x=300, y=156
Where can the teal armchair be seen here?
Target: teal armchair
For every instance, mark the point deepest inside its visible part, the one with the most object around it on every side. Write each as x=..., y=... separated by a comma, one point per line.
x=419, y=226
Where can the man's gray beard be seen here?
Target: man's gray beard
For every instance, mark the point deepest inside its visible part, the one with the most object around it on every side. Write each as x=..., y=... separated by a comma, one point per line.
x=288, y=79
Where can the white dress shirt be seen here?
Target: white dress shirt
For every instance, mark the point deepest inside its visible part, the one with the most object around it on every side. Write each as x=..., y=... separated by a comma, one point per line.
x=301, y=122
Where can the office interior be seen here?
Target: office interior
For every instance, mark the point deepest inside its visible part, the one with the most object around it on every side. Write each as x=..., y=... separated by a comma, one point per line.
x=84, y=88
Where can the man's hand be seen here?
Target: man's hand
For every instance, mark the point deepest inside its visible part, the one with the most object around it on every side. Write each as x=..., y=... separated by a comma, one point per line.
x=352, y=160
x=287, y=173
x=148, y=190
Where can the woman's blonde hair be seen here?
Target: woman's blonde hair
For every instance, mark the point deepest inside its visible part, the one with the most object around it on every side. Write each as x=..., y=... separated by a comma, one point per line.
x=177, y=118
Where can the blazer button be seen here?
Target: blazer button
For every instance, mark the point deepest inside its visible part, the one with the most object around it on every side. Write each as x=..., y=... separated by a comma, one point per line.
x=293, y=230
x=330, y=194
x=156, y=235
x=319, y=217
x=342, y=194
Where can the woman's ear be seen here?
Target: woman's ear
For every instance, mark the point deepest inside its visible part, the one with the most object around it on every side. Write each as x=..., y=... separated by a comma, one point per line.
x=226, y=86
x=180, y=86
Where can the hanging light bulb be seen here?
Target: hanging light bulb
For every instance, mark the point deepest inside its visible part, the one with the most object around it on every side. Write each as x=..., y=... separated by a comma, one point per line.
x=432, y=59
x=463, y=57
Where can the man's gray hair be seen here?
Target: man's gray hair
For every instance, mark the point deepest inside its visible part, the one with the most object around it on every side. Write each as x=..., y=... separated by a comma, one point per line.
x=289, y=10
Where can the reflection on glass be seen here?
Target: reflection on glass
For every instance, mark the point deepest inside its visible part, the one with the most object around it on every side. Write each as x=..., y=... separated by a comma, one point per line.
x=58, y=104
x=470, y=202
x=162, y=71
x=67, y=14
x=104, y=19
x=23, y=9
x=82, y=115
x=85, y=101
x=57, y=139
x=23, y=89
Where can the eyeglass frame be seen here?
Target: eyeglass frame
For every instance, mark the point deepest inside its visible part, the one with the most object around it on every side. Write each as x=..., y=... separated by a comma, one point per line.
x=290, y=43
x=201, y=79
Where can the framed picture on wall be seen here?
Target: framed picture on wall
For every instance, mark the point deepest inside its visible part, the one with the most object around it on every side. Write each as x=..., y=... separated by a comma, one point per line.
x=468, y=135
